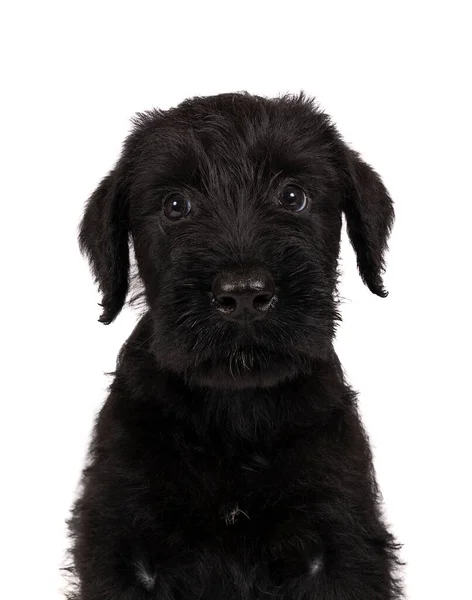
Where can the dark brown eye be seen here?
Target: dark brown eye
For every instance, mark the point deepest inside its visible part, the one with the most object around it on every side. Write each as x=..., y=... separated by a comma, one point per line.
x=176, y=206
x=293, y=198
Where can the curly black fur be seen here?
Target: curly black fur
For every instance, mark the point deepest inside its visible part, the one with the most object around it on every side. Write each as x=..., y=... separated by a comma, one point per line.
x=229, y=460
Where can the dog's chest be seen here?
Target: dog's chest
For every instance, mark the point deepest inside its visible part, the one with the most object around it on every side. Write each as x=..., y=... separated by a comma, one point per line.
x=249, y=494
x=245, y=491
x=248, y=508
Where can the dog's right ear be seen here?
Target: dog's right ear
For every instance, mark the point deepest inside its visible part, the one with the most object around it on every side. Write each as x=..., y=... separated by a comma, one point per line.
x=104, y=239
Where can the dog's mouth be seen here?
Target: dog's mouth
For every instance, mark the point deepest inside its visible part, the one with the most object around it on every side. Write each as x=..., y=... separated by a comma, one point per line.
x=247, y=367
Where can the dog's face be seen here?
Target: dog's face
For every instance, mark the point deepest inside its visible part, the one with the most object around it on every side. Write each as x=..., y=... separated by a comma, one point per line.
x=233, y=204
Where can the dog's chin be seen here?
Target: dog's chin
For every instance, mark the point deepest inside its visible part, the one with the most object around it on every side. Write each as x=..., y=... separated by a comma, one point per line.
x=236, y=374
x=238, y=363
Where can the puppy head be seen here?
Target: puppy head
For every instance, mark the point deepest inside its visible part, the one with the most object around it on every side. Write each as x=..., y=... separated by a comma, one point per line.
x=233, y=204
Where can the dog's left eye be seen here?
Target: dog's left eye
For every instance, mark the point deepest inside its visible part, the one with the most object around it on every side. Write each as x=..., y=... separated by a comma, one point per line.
x=176, y=206
x=293, y=198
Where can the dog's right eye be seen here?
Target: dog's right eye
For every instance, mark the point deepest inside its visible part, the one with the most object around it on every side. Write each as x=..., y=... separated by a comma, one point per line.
x=176, y=206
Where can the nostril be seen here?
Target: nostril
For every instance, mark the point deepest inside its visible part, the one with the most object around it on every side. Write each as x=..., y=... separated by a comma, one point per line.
x=262, y=301
x=226, y=303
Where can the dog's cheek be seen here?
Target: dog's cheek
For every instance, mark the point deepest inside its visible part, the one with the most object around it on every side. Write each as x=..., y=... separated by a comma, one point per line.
x=152, y=257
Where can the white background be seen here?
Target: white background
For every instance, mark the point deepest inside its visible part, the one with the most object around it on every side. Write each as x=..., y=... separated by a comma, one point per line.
x=395, y=77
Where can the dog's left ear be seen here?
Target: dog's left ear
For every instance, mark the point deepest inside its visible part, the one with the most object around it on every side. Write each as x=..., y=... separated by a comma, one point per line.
x=103, y=237
x=369, y=216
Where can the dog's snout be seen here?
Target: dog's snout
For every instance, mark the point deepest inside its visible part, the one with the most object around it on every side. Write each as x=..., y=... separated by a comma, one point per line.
x=243, y=295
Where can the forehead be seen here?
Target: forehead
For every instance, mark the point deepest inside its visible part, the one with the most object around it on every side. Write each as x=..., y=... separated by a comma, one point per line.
x=237, y=137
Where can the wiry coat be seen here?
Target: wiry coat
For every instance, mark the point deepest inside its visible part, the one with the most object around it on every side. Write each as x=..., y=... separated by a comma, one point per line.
x=229, y=460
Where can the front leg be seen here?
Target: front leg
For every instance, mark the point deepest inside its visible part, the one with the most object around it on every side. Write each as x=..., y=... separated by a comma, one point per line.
x=361, y=562
x=122, y=553
x=107, y=563
x=326, y=531
x=345, y=559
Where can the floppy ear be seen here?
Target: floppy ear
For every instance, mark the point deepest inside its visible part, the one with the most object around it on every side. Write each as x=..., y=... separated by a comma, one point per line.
x=369, y=216
x=103, y=238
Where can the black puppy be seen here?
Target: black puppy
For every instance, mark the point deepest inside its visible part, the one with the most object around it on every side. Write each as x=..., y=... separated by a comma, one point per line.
x=229, y=461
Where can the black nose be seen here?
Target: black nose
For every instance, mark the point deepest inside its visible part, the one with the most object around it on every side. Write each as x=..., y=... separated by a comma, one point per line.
x=243, y=295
